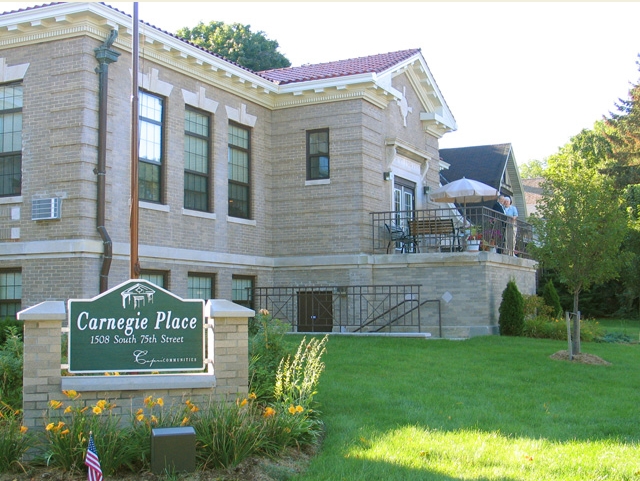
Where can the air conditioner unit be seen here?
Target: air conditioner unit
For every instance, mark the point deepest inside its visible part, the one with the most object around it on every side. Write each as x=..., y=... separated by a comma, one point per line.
x=46, y=209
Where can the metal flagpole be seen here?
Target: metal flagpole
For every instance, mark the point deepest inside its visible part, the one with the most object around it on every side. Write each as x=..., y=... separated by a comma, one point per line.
x=134, y=268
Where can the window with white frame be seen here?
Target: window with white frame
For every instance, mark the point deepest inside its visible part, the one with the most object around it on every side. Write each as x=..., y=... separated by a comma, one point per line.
x=318, y=154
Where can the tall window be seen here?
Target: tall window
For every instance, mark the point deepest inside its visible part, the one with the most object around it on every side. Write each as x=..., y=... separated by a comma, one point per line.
x=201, y=286
x=150, y=155
x=242, y=291
x=10, y=293
x=159, y=278
x=318, y=154
x=239, y=171
x=10, y=140
x=404, y=200
x=196, y=160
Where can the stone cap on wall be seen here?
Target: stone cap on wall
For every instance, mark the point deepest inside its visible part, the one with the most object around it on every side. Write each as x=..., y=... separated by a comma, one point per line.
x=226, y=308
x=45, y=311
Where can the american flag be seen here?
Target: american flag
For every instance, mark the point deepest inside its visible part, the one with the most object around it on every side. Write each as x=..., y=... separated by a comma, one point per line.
x=92, y=461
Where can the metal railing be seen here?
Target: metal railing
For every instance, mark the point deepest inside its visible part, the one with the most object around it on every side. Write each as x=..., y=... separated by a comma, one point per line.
x=357, y=309
x=481, y=226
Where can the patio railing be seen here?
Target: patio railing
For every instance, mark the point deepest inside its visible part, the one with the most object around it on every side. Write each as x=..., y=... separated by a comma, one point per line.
x=450, y=230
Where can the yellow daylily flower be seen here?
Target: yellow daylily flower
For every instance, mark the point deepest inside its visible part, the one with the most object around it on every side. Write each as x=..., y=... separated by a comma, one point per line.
x=97, y=410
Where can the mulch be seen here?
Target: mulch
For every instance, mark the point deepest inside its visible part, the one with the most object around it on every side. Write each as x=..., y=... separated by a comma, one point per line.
x=582, y=358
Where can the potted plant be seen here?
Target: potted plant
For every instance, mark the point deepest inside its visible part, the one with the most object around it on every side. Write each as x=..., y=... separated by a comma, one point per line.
x=474, y=240
x=491, y=239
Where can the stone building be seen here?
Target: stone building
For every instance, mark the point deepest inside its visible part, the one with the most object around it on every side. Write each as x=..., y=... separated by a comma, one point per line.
x=248, y=181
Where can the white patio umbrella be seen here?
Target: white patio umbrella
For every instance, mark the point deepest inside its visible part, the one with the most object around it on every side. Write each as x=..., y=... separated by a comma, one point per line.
x=462, y=191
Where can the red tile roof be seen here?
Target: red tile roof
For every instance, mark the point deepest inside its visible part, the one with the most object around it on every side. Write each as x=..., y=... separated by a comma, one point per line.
x=340, y=68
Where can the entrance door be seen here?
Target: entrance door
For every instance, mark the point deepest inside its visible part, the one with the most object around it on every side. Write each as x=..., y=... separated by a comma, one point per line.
x=315, y=311
x=404, y=203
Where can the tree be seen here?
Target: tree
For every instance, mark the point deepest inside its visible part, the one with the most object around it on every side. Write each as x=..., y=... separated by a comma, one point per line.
x=236, y=42
x=532, y=169
x=623, y=133
x=511, y=311
x=580, y=222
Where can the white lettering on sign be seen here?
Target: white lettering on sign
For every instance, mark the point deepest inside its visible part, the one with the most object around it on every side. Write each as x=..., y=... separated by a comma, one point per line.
x=130, y=325
x=175, y=323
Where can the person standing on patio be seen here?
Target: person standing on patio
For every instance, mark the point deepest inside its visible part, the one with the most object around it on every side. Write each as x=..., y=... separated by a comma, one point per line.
x=511, y=212
x=497, y=206
x=498, y=223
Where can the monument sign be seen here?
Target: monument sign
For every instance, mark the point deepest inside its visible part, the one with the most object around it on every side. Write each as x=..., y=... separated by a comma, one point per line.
x=136, y=327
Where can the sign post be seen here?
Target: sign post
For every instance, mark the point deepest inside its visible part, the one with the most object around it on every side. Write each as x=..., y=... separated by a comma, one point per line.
x=136, y=327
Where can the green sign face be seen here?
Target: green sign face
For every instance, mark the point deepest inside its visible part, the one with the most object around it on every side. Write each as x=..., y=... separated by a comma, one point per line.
x=136, y=327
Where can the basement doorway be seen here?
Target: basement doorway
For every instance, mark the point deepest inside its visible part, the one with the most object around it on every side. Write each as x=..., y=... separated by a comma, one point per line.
x=315, y=311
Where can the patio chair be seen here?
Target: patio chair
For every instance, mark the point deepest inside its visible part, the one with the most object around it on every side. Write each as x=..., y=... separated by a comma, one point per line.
x=398, y=235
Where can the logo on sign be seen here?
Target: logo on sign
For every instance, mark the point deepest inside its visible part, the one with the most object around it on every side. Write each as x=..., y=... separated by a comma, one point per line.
x=136, y=327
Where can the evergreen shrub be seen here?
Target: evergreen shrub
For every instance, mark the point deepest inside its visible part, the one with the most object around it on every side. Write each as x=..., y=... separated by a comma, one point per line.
x=511, y=318
x=551, y=299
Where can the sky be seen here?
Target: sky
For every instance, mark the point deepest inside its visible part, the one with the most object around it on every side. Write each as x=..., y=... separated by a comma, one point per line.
x=532, y=74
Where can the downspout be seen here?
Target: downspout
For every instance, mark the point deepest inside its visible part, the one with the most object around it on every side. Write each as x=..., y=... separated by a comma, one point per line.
x=105, y=56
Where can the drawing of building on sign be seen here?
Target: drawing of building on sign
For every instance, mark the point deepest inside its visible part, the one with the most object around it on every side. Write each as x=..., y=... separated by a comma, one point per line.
x=138, y=294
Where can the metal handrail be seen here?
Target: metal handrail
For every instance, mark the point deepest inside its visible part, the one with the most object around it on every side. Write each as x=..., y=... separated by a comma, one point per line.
x=494, y=229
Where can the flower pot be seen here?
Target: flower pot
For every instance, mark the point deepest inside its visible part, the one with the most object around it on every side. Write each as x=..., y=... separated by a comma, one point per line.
x=473, y=245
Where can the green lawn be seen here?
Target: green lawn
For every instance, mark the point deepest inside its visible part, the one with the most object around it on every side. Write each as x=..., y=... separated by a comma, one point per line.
x=628, y=327
x=489, y=408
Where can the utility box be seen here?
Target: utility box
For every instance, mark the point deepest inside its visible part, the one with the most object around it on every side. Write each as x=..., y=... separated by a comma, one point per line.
x=173, y=450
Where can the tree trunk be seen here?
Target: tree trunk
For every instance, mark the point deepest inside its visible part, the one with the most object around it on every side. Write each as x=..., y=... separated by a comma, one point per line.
x=576, y=317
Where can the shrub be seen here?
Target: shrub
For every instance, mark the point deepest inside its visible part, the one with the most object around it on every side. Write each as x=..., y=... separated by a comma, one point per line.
x=534, y=306
x=551, y=299
x=14, y=438
x=297, y=378
x=228, y=433
x=545, y=328
x=266, y=349
x=511, y=318
x=67, y=429
x=5, y=324
x=11, y=355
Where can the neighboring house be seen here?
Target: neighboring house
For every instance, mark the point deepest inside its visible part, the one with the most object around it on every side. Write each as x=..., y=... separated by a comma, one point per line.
x=247, y=180
x=532, y=193
x=494, y=165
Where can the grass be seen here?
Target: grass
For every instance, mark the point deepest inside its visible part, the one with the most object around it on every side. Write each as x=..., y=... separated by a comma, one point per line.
x=627, y=327
x=489, y=408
